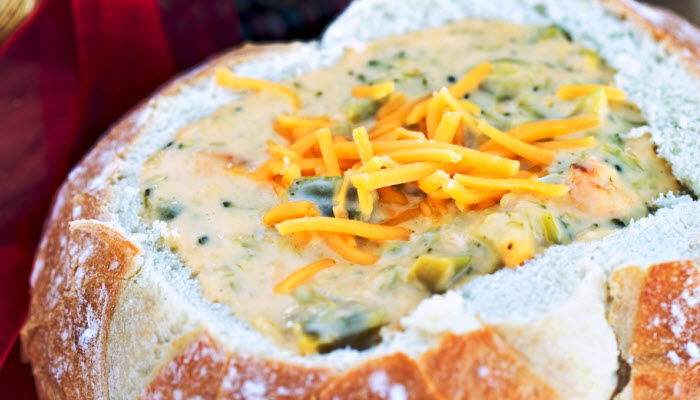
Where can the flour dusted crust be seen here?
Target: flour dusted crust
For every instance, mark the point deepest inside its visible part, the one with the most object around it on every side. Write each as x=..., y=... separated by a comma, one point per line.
x=85, y=261
x=656, y=316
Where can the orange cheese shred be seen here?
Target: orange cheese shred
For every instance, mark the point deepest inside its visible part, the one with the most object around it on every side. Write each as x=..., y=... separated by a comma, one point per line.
x=391, y=195
x=466, y=195
x=524, y=150
x=302, y=239
x=365, y=201
x=375, y=92
x=405, y=134
x=403, y=216
x=364, y=147
x=526, y=185
x=425, y=209
x=330, y=159
x=470, y=158
x=298, y=277
x=292, y=122
x=308, y=165
x=418, y=112
x=436, y=105
x=546, y=130
x=343, y=248
x=391, y=135
x=347, y=226
x=471, y=80
x=394, y=176
x=568, y=92
x=285, y=211
x=291, y=173
x=420, y=154
x=563, y=144
x=304, y=144
x=458, y=105
x=377, y=163
x=396, y=100
x=433, y=182
x=225, y=77
x=448, y=126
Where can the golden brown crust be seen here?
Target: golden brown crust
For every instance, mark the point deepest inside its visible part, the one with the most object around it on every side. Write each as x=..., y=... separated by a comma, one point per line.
x=80, y=274
x=66, y=342
x=680, y=36
x=191, y=373
x=488, y=369
x=394, y=376
x=665, y=330
x=273, y=379
x=624, y=288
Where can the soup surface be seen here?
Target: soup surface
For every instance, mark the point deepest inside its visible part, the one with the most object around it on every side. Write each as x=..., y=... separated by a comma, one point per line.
x=465, y=214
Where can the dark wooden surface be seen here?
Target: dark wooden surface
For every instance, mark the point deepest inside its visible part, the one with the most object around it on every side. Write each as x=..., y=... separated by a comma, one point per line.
x=688, y=9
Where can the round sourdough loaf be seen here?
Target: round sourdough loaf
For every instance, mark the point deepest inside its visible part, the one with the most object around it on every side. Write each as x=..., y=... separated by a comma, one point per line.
x=113, y=316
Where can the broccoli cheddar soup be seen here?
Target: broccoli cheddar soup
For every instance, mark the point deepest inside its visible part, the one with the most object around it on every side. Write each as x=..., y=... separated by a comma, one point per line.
x=323, y=208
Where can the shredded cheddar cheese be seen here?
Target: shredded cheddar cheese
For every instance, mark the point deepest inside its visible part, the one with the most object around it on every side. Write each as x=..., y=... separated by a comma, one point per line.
x=433, y=182
x=374, y=92
x=543, y=130
x=528, y=185
x=432, y=155
x=402, y=217
x=304, y=144
x=458, y=105
x=396, y=100
x=292, y=210
x=418, y=112
x=347, y=226
x=465, y=195
x=224, y=77
x=364, y=147
x=349, y=252
x=423, y=154
x=291, y=173
x=568, y=92
x=377, y=163
x=394, y=176
x=391, y=195
x=405, y=134
x=330, y=159
x=436, y=105
x=471, y=80
x=298, y=277
x=448, y=126
x=366, y=201
x=524, y=150
x=563, y=144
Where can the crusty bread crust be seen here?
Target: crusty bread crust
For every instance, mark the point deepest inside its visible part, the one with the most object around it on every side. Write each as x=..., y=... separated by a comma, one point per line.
x=660, y=330
x=680, y=36
x=81, y=269
x=488, y=369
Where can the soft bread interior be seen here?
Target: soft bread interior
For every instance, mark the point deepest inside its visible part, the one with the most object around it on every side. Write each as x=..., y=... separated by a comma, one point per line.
x=552, y=310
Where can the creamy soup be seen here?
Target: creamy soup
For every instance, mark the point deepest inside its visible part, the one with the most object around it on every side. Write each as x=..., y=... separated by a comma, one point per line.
x=201, y=185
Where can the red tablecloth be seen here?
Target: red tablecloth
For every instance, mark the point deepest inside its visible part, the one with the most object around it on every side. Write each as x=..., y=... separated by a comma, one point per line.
x=71, y=70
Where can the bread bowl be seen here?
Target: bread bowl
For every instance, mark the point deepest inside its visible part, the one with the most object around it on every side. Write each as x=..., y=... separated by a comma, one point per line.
x=114, y=315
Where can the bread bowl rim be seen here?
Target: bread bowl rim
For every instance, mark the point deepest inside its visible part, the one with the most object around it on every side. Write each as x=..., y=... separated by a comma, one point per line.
x=120, y=136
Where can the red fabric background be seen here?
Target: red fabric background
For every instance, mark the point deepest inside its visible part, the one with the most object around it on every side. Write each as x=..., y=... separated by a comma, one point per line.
x=71, y=70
